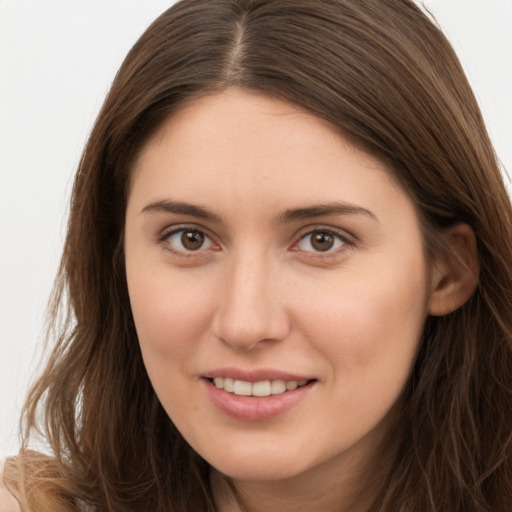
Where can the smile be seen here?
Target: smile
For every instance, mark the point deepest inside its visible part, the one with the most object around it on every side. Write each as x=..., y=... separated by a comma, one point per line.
x=259, y=389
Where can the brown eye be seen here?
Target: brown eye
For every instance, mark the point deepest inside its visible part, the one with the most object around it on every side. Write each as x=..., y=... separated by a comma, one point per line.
x=192, y=240
x=188, y=240
x=320, y=241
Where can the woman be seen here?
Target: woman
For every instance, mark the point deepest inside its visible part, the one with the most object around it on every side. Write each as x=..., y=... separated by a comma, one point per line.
x=288, y=273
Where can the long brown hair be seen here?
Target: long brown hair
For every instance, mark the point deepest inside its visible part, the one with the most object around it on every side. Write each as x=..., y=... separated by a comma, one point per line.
x=381, y=72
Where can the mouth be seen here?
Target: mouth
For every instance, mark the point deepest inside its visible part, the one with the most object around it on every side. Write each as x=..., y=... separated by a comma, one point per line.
x=258, y=389
x=257, y=395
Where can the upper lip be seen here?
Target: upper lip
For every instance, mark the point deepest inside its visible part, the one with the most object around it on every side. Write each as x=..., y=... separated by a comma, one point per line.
x=256, y=375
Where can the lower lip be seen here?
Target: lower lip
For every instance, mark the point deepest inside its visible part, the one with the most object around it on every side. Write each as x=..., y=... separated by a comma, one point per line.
x=250, y=408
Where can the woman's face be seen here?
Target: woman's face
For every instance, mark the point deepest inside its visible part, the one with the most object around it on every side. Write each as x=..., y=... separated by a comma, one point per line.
x=266, y=255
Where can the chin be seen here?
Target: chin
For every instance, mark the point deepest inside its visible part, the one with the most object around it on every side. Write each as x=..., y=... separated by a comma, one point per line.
x=259, y=465
x=258, y=471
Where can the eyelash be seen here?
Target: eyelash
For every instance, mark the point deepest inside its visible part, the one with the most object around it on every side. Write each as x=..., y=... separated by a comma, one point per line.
x=340, y=238
x=167, y=234
x=342, y=241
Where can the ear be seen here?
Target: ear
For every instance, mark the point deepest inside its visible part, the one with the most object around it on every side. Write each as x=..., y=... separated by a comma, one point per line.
x=455, y=274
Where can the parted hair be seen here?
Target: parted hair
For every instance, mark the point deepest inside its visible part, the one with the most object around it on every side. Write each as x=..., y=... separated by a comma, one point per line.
x=384, y=75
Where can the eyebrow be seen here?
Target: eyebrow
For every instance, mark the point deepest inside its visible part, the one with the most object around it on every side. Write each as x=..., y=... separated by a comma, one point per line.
x=288, y=215
x=321, y=210
x=168, y=206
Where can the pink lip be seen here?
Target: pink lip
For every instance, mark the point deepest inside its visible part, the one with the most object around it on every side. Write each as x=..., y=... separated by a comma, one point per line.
x=251, y=409
x=254, y=375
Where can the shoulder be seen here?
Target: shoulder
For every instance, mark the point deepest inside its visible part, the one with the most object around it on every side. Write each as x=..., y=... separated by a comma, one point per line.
x=38, y=472
x=8, y=502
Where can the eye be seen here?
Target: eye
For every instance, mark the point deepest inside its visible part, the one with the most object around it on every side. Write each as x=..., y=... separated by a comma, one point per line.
x=320, y=240
x=188, y=240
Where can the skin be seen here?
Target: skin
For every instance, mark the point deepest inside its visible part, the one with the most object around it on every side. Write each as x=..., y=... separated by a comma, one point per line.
x=7, y=501
x=258, y=295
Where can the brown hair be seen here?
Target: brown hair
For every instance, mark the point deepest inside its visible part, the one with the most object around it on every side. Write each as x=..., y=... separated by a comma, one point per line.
x=384, y=74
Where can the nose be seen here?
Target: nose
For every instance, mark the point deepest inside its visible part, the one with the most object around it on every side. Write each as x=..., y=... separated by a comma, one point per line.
x=251, y=308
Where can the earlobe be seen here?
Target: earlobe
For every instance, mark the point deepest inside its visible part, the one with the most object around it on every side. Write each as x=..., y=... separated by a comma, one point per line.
x=455, y=275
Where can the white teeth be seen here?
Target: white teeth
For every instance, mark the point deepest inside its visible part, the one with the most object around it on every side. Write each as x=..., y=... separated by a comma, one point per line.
x=241, y=387
x=229, y=385
x=278, y=386
x=262, y=388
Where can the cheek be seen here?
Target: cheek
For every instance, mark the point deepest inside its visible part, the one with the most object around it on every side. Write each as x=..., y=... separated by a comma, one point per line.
x=369, y=323
x=170, y=315
x=170, y=319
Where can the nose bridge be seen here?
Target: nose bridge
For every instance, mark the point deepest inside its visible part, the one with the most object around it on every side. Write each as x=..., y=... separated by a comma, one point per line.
x=250, y=308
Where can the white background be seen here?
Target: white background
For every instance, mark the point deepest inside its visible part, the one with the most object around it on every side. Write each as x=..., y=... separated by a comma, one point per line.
x=57, y=60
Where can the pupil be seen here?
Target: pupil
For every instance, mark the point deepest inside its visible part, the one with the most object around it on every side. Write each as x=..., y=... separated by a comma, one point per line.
x=192, y=240
x=322, y=241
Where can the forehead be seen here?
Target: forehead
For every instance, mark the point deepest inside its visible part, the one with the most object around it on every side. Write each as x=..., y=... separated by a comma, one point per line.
x=232, y=145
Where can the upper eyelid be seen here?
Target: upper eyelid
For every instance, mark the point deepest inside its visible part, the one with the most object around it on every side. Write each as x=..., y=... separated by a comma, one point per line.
x=175, y=228
x=166, y=233
x=342, y=233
